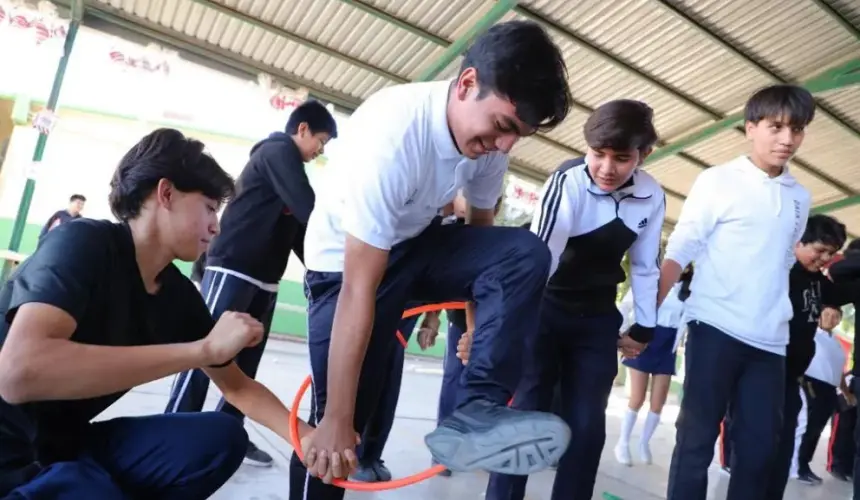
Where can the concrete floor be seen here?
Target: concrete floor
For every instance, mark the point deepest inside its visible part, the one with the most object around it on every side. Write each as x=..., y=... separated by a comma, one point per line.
x=285, y=365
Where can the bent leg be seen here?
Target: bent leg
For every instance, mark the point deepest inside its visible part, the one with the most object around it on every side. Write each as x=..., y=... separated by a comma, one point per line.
x=535, y=392
x=70, y=481
x=322, y=290
x=183, y=456
x=378, y=427
x=504, y=271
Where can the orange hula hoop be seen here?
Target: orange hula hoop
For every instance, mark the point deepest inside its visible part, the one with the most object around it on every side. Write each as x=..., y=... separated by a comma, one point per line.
x=383, y=485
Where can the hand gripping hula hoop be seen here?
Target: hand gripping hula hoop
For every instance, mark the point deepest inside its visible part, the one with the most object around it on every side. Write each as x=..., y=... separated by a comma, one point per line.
x=382, y=485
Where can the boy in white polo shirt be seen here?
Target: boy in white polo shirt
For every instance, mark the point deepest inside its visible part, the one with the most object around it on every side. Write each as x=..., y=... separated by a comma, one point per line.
x=374, y=241
x=740, y=224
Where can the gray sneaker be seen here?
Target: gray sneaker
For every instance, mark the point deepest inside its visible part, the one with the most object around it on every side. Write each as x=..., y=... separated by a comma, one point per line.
x=486, y=436
x=257, y=457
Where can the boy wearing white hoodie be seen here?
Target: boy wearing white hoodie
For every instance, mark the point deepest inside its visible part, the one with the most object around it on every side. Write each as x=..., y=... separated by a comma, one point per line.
x=740, y=224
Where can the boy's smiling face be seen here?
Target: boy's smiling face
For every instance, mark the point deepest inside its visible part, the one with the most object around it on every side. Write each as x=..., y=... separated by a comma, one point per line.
x=815, y=255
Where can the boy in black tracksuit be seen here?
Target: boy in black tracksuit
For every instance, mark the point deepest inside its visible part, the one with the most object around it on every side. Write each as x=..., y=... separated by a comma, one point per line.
x=264, y=222
x=813, y=297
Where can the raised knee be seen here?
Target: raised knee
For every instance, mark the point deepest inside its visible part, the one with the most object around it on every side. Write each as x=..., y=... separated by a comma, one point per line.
x=229, y=433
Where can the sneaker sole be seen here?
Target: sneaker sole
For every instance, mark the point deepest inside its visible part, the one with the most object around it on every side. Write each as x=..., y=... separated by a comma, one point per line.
x=255, y=463
x=519, y=446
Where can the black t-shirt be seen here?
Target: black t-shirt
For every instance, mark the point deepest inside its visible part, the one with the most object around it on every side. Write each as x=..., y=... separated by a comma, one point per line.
x=809, y=292
x=88, y=269
x=267, y=218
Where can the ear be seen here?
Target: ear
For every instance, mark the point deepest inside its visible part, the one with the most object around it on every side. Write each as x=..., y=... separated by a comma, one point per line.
x=466, y=83
x=303, y=129
x=748, y=128
x=164, y=193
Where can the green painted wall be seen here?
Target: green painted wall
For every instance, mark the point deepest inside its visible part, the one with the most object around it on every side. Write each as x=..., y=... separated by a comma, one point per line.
x=290, y=317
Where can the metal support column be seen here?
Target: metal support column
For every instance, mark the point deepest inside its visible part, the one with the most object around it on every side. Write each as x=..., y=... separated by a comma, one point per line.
x=77, y=12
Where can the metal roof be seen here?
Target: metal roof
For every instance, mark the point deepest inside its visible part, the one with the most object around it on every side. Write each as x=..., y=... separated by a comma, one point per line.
x=694, y=61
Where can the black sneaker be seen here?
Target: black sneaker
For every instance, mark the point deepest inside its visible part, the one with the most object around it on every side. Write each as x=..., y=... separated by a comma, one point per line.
x=486, y=436
x=808, y=477
x=364, y=474
x=382, y=472
x=372, y=472
x=257, y=457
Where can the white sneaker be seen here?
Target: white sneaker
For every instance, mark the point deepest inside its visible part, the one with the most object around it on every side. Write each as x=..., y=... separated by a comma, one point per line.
x=622, y=454
x=645, y=453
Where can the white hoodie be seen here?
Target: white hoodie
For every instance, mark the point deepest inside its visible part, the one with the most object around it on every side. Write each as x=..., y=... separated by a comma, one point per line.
x=740, y=226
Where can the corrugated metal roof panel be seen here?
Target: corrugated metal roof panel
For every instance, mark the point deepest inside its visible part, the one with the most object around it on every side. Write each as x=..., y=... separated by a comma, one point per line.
x=673, y=207
x=534, y=152
x=846, y=100
x=796, y=40
x=850, y=216
x=645, y=36
x=445, y=19
x=674, y=173
x=720, y=148
x=832, y=149
x=570, y=132
x=594, y=82
x=795, y=37
x=849, y=9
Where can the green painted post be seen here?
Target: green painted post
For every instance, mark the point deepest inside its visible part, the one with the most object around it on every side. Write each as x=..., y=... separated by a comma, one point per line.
x=30, y=187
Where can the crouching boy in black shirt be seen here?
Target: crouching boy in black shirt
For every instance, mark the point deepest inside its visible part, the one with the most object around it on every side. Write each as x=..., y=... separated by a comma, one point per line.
x=99, y=309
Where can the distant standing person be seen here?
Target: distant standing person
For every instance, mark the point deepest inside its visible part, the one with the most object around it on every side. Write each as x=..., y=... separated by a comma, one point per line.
x=260, y=227
x=72, y=212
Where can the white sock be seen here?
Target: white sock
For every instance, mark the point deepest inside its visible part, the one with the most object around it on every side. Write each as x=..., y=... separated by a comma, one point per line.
x=627, y=427
x=651, y=423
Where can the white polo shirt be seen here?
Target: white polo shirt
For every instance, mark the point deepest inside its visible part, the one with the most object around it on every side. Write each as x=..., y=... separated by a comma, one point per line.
x=395, y=164
x=829, y=359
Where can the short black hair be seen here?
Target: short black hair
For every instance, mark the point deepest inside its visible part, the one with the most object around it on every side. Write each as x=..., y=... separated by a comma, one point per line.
x=519, y=61
x=854, y=246
x=781, y=101
x=824, y=229
x=165, y=153
x=621, y=125
x=318, y=118
x=77, y=197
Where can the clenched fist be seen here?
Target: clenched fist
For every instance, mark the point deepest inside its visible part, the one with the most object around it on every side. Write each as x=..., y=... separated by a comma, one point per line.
x=233, y=332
